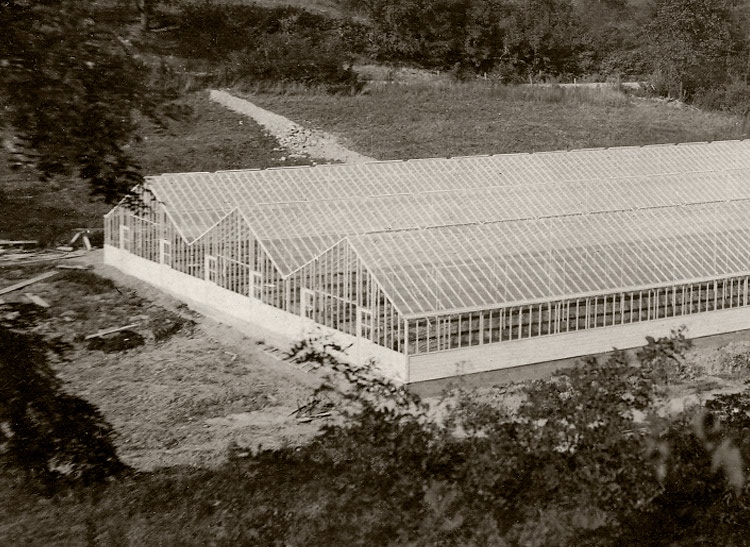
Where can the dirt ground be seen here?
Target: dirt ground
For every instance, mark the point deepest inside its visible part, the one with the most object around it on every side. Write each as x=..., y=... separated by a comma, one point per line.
x=297, y=140
x=180, y=400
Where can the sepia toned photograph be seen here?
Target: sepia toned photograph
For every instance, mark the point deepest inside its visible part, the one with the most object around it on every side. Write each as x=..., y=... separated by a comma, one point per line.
x=375, y=272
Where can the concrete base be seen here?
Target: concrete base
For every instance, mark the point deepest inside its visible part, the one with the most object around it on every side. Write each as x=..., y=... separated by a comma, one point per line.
x=422, y=368
x=545, y=349
x=200, y=294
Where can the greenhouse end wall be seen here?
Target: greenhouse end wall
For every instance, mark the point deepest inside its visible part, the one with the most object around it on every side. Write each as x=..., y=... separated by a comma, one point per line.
x=251, y=311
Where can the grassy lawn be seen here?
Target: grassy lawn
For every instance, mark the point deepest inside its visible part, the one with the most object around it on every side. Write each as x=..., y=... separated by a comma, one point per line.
x=211, y=138
x=397, y=122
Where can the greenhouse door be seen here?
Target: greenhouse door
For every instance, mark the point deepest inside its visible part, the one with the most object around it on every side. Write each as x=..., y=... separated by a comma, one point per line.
x=125, y=238
x=165, y=252
x=364, y=323
x=307, y=303
x=211, y=270
x=256, y=285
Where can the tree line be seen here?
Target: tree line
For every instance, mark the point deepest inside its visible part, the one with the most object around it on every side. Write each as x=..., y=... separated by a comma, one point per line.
x=687, y=49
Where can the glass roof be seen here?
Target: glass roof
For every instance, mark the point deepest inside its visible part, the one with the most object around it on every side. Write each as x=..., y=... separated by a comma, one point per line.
x=485, y=265
x=444, y=235
x=208, y=195
x=334, y=220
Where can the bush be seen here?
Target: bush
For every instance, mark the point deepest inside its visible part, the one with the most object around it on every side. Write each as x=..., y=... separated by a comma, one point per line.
x=733, y=97
x=290, y=60
x=582, y=460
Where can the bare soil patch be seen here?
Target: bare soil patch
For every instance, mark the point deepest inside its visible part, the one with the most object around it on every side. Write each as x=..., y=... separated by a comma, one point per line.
x=180, y=398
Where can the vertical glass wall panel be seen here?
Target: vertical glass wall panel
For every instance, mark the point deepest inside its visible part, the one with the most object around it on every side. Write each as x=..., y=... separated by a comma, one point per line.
x=452, y=331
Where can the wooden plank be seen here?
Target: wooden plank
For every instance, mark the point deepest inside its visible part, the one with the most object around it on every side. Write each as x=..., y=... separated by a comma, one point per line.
x=69, y=254
x=110, y=331
x=39, y=301
x=16, y=242
x=23, y=284
x=86, y=243
x=73, y=267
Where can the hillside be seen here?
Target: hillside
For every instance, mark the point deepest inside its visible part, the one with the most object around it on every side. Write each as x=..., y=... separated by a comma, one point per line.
x=207, y=138
x=431, y=120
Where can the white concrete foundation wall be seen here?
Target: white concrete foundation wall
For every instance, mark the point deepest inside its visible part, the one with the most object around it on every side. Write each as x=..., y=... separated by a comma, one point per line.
x=501, y=355
x=290, y=326
x=425, y=367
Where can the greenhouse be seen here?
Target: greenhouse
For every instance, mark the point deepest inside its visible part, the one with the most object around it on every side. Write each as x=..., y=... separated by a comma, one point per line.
x=439, y=267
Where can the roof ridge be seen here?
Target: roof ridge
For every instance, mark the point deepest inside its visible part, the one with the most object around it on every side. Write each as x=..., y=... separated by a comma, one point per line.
x=546, y=217
x=464, y=189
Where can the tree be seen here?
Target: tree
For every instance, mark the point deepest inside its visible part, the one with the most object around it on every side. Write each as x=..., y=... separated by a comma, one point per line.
x=71, y=87
x=544, y=37
x=48, y=433
x=694, y=44
x=425, y=32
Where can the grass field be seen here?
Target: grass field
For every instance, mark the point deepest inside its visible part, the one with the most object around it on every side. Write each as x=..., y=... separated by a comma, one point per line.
x=211, y=138
x=427, y=120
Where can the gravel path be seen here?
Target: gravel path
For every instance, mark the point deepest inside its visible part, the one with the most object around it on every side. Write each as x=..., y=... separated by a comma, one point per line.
x=298, y=140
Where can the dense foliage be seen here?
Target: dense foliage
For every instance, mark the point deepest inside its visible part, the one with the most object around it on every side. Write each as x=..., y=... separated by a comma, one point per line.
x=688, y=47
x=698, y=46
x=71, y=86
x=251, y=45
x=584, y=459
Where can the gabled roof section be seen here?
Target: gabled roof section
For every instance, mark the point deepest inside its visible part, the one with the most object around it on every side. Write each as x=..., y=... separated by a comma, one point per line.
x=458, y=268
x=197, y=200
x=297, y=232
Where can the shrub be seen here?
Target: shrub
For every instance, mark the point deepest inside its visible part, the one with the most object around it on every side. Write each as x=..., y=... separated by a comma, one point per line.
x=733, y=97
x=291, y=60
